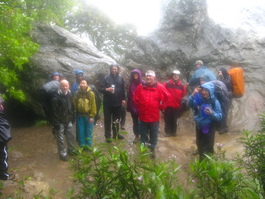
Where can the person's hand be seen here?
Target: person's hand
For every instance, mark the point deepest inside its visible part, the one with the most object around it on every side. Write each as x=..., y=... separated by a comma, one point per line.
x=91, y=120
x=123, y=103
x=110, y=89
x=208, y=111
x=196, y=90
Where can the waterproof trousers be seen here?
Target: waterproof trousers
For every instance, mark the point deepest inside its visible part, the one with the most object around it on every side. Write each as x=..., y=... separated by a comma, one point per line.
x=84, y=131
x=205, y=141
x=135, y=124
x=112, y=116
x=171, y=115
x=149, y=133
x=3, y=162
x=65, y=130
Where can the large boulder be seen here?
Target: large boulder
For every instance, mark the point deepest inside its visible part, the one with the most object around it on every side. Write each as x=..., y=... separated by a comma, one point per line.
x=62, y=51
x=187, y=34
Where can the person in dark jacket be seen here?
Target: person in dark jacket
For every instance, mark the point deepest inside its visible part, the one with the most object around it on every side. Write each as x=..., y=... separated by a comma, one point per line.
x=150, y=97
x=79, y=75
x=63, y=116
x=5, y=137
x=112, y=88
x=225, y=77
x=209, y=110
x=177, y=90
x=135, y=81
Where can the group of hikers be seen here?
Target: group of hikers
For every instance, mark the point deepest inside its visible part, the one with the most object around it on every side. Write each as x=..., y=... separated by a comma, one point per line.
x=210, y=100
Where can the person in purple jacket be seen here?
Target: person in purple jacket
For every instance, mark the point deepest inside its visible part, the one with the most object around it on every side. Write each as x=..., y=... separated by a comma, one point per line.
x=135, y=81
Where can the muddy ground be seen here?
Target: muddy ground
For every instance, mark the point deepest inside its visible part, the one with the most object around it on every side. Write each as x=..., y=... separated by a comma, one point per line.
x=33, y=157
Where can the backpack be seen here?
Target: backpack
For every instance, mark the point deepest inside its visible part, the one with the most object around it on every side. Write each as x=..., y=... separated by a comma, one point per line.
x=222, y=95
x=97, y=99
x=237, y=77
x=46, y=92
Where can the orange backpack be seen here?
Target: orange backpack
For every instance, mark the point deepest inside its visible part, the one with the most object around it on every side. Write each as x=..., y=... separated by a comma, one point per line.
x=237, y=77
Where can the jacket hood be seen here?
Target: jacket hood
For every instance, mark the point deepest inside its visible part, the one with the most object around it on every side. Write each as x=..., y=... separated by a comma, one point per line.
x=210, y=87
x=205, y=77
x=139, y=74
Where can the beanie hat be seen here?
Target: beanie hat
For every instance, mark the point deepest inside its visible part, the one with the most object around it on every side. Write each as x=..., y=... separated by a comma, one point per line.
x=77, y=72
x=55, y=74
x=176, y=72
x=198, y=62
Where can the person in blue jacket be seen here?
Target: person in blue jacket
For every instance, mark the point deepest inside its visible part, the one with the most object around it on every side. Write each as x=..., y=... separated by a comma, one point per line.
x=199, y=72
x=79, y=75
x=208, y=111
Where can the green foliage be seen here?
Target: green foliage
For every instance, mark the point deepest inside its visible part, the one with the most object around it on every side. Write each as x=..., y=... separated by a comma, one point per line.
x=217, y=178
x=116, y=174
x=254, y=157
x=16, y=46
x=107, y=36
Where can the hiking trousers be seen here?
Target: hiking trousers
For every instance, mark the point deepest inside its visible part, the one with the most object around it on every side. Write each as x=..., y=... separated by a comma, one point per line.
x=84, y=131
x=112, y=116
x=171, y=116
x=3, y=162
x=65, y=130
x=149, y=133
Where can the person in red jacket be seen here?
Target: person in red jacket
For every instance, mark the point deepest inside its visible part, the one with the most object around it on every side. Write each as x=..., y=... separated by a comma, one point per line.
x=177, y=90
x=150, y=97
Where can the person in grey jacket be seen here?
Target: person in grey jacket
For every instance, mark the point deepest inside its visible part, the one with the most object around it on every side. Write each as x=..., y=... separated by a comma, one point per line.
x=63, y=116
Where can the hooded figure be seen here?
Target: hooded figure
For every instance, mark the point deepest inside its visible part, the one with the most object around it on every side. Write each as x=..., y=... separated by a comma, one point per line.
x=200, y=71
x=79, y=74
x=112, y=88
x=208, y=111
x=225, y=77
x=135, y=81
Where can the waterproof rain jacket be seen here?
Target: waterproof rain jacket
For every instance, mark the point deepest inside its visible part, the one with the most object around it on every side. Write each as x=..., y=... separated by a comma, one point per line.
x=63, y=110
x=85, y=103
x=131, y=107
x=149, y=100
x=112, y=99
x=177, y=91
x=200, y=72
x=203, y=119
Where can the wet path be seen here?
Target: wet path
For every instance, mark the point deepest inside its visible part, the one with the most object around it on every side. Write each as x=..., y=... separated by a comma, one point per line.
x=34, y=159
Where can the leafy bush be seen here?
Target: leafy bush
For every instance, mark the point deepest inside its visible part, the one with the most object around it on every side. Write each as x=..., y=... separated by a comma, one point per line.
x=116, y=174
x=254, y=157
x=218, y=178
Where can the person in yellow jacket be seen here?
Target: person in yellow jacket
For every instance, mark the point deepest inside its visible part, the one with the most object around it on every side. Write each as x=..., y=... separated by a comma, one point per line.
x=85, y=105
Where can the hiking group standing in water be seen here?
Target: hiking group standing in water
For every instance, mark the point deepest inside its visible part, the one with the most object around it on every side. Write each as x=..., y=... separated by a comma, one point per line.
x=146, y=99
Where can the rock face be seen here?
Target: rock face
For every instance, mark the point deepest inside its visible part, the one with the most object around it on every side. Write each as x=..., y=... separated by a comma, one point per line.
x=64, y=52
x=188, y=34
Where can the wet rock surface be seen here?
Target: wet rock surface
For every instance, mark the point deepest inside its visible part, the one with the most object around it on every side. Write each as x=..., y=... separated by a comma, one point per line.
x=34, y=159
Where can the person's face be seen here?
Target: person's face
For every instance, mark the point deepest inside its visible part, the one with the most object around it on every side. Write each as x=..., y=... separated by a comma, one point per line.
x=79, y=77
x=83, y=85
x=114, y=70
x=220, y=73
x=205, y=93
x=150, y=79
x=202, y=81
x=175, y=77
x=64, y=86
x=197, y=65
x=135, y=76
x=56, y=77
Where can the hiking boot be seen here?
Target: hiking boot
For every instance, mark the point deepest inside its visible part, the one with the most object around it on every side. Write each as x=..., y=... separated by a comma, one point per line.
x=136, y=139
x=195, y=152
x=119, y=137
x=152, y=154
x=63, y=157
x=108, y=140
x=9, y=176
